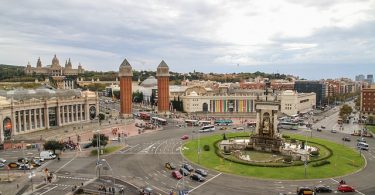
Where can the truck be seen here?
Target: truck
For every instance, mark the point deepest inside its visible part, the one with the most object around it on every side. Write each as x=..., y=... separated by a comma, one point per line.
x=47, y=155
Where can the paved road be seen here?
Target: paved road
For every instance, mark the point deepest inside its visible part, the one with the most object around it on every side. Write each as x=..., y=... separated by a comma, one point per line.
x=142, y=164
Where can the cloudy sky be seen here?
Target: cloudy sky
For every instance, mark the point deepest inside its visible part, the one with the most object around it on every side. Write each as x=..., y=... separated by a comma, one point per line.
x=310, y=38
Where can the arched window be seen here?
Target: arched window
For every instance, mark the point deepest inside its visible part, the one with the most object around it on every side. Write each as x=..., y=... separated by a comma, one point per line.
x=7, y=128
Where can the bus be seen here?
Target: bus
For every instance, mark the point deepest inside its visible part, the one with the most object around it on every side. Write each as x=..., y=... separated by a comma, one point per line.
x=159, y=121
x=191, y=122
x=144, y=115
x=207, y=128
x=203, y=123
x=251, y=123
x=288, y=125
x=223, y=122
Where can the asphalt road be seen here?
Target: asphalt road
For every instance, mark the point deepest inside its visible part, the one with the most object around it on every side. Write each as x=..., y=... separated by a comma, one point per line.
x=142, y=164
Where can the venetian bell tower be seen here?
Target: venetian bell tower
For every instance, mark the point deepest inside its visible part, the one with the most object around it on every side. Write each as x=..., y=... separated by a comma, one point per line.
x=162, y=75
x=125, y=74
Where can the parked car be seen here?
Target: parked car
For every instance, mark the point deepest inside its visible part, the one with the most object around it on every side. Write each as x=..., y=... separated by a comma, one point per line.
x=201, y=172
x=170, y=166
x=13, y=165
x=333, y=131
x=361, y=139
x=184, y=172
x=38, y=158
x=2, y=160
x=2, y=165
x=347, y=139
x=176, y=174
x=323, y=127
x=23, y=160
x=322, y=188
x=240, y=128
x=36, y=163
x=305, y=191
x=345, y=188
x=25, y=167
x=197, y=177
x=185, y=137
x=188, y=167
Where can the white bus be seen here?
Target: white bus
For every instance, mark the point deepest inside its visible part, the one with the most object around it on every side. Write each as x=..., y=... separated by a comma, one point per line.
x=207, y=128
x=191, y=122
x=203, y=123
x=158, y=120
x=288, y=125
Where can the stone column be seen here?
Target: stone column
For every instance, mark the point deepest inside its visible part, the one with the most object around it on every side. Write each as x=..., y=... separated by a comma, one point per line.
x=63, y=114
x=258, y=121
x=80, y=112
x=68, y=113
x=30, y=126
x=46, y=116
x=87, y=110
x=35, y=123
x=76, y=112
x=58, y=115
x=275, y=122
x=19, y=121
x=40, y=118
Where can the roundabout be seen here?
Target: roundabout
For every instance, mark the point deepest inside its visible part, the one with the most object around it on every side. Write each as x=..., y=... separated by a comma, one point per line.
x=342, y=160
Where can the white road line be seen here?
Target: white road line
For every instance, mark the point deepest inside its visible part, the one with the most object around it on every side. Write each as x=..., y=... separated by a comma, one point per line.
x=131, y=147
x=157, y=148
x=160, y=189
x=335, y=180
x=48, y=190
x=66, y=163
x=204, y=182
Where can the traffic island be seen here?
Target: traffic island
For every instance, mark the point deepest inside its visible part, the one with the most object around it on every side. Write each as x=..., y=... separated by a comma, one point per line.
x=334, y=160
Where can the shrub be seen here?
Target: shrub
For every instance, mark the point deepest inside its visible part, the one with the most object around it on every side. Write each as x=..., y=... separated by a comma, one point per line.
x=285, y=136
x=206, y=148
x=288, y=159
x=314, y=153
x=321, y=163
x=293, y=140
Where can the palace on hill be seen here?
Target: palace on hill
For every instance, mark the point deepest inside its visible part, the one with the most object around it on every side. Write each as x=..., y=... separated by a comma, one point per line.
x=55, y=69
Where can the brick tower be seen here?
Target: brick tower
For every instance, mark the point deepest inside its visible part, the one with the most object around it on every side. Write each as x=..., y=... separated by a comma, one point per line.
x=162, y=75
x=125, y=74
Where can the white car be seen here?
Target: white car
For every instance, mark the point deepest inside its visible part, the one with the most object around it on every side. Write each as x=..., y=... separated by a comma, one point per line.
x=240, y=128
x=2, y=160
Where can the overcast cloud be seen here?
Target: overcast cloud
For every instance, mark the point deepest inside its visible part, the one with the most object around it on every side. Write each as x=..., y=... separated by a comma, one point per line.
x=310, y=38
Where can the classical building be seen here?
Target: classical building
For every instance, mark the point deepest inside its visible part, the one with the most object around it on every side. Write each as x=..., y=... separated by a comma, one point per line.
x=162, y=75
x=125, y=74
x=294, y=103
x=24, y=111
x=55, y=69
x=367, y=105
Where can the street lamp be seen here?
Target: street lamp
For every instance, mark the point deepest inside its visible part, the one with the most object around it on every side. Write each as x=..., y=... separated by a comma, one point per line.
x=113, y=176
x=98, y=146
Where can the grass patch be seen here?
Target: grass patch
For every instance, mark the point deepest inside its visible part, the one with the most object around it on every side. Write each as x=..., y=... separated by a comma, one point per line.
x=344, y=160
x=371, y=128
x=107, y=150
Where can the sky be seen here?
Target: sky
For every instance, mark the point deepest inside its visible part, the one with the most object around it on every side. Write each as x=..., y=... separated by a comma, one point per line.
x=313, y=39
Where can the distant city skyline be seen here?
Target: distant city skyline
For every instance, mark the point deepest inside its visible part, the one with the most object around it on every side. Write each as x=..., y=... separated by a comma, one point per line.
x=310, y=39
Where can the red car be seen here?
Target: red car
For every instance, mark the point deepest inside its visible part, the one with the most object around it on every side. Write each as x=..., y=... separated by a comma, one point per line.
x=176, y=174
x=185, y=137
x=345, y=188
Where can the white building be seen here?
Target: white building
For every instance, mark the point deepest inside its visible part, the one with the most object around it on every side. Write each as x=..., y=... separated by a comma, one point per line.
x=293, y=103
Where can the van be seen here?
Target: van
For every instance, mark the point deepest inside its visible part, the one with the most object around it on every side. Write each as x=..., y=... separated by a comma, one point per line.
x=362, y=146
x=47, y=155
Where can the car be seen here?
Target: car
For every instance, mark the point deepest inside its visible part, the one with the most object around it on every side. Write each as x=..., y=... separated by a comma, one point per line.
x=176, y=174
x=361, y=139
x=197, y=177
x=25, y=167
x=201, y=172
x=13, y=165
x=345, y=188
x=185, y=137
x=23, y=160
x=170, y=166
x=305, y=191
x=347, y=139
x=36, y=163
x=240, y=128
x=333, y=131
x=88, y=145
x=2, y=165
x=2, y=160
x=146, y=190
x=322, y=188
x=188, y=167
x=323, y=127
x=38, y=158
x=184, y=172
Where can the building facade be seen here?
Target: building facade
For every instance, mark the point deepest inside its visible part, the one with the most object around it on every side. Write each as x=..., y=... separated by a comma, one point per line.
x=55, y=69
x=294, y=103
x=367, y=105
x=44, y=109
x=318, y=87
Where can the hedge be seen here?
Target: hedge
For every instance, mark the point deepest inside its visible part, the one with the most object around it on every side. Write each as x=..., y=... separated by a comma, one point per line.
x=321, y=163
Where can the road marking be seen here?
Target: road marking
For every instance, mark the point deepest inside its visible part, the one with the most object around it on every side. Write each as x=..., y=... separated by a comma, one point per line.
x=66, y=163
x=131, y=147
x=204, y=182
x=335, y=180
x=48, y=190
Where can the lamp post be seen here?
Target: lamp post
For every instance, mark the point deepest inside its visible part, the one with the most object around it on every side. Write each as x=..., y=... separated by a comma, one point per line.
x=113, y=176
x=23, y=157
x=98, y=148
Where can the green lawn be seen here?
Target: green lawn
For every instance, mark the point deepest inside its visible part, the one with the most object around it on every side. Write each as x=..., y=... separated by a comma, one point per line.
x=344, y=161
x=107, y=150
x=371, y=128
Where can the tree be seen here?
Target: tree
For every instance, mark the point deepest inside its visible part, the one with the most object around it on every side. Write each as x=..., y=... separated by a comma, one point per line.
x=371, y=119
x=103, y=140
x=53, y=145
x=345, y=111
x=116, y=94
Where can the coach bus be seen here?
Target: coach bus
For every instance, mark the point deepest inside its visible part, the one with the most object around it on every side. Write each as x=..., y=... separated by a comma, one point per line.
x=191, y=122
x=159, y=121
x=223, y=122
x=288, y=125
x=207, y=128
x=204, y=123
